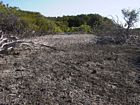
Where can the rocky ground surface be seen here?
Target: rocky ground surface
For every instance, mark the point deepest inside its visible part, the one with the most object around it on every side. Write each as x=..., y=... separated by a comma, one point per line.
x=70, y=70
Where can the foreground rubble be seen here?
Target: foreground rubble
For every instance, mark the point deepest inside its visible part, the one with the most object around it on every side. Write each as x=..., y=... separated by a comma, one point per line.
x=70, y=74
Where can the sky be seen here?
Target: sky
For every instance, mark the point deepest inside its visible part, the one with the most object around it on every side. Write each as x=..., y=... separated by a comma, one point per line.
x=107, y=8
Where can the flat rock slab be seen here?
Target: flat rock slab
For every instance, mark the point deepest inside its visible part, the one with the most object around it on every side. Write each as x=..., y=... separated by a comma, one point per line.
x=54, y=40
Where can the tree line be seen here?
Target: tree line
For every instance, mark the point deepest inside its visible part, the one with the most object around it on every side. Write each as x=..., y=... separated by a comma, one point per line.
x=13, y=19
x=17, y=21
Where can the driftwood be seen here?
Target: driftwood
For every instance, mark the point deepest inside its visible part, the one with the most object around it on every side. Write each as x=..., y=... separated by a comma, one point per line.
x=9, y=43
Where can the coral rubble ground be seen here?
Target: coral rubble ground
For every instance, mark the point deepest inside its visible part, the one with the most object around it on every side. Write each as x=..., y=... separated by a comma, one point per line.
x=70, y=70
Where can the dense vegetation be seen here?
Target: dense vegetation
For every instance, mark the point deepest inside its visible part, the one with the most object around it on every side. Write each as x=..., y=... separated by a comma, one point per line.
x=90, y=23
x=18, y=21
